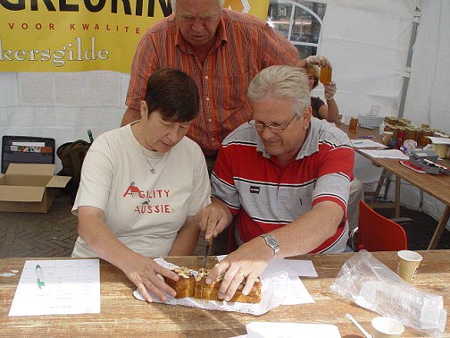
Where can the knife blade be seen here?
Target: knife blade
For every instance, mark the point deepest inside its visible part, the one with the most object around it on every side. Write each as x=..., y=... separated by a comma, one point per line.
x=207, y=252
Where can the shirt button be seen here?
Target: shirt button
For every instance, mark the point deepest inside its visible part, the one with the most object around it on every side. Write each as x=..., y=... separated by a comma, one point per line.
x=209, y=120
x=207, y=99
x=206, y=77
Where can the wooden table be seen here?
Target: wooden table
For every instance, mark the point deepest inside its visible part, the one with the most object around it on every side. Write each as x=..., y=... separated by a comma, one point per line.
x=437, y=186
x=122, y=315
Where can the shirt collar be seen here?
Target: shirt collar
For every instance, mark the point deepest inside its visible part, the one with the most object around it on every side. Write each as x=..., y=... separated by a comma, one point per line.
x=221, y=35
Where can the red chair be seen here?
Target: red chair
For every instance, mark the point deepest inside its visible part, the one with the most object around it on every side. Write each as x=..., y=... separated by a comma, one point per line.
x=378, y=233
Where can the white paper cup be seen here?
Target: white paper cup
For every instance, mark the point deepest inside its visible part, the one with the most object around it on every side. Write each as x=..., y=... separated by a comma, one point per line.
x=408, y=264
x=440, y=150
x=385, y=327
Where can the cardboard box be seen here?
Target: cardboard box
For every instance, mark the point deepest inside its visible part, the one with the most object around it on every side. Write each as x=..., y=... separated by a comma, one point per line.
x=29, y=187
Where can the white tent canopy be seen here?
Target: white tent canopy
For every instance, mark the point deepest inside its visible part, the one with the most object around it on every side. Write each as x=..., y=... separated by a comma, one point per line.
x=367, y=42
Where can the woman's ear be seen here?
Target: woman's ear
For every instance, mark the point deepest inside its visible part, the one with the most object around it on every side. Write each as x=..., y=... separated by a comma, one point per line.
x=144, y=110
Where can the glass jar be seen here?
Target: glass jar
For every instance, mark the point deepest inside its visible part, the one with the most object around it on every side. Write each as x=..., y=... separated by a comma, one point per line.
x=427, y=132
x=353, y=125
x=420, y=137
x=400, y=137
x=388, y=127
x=404, y=122
x=325, y=75
x=411, y=133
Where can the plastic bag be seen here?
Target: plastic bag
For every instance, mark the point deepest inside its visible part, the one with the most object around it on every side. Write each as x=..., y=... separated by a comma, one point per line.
x=372, y=285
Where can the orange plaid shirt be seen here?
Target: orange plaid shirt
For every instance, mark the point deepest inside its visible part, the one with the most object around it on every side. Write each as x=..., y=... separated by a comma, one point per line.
x=244, y=46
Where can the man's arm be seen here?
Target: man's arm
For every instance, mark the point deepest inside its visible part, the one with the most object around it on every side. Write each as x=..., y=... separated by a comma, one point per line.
x=275, y=49
x=309, y=230
x=297, y=238
x=129, y=116
x=215, y=218
x=142, y=271
x=187, y=238
x=145, y=62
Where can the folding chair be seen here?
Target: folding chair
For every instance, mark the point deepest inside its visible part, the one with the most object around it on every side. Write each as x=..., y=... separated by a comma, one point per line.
x=377, y=233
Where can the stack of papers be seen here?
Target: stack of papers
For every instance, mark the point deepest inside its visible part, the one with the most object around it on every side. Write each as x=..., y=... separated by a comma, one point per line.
x=386, y=153
x=439, y=140
x=363, y=143
x=53, y=287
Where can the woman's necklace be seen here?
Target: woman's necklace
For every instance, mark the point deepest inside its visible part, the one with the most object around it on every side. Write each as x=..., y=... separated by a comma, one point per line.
x=152, y=167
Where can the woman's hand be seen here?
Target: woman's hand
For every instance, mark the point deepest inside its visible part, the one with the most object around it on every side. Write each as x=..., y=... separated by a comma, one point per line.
x=330, y=90
x=148, y=276
x=317, y=60
x=245, y=264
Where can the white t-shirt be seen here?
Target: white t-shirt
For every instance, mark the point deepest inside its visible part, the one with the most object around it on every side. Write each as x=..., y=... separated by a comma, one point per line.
x=144, y=210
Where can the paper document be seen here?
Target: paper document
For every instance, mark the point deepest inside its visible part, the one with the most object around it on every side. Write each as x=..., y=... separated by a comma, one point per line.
x=385, y=153
x=29, y=144
x=363, y=143
x=50, y=287
x=294, y=267
x=439, y=140
x=289, y=330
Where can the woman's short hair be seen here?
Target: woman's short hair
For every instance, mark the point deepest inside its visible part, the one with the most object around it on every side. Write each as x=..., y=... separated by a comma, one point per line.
x=173, y=3
x=315, y=72
x=281, y=82
x=173, y=94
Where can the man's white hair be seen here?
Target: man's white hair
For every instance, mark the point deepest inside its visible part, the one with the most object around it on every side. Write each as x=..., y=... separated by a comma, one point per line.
x=173, y=3
x=281, y=82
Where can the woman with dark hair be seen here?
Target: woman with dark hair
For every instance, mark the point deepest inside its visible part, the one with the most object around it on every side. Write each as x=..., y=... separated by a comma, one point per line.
x=325, y=111
x=143, y=185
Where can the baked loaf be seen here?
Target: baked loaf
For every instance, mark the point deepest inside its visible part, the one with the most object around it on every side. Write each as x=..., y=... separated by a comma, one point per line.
x=192, y=283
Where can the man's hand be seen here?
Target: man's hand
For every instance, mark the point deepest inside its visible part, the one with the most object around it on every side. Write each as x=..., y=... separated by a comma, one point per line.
x=148, y=276
x=214, y=219
x=330, y=90
x=246, y=263
x=317, y=60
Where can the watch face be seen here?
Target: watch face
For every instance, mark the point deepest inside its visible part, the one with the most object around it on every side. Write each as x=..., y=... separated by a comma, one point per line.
x=272, y=242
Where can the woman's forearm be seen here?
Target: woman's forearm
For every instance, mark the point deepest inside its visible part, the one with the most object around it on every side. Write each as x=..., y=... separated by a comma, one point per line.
x=94, y=231
x=333, y=110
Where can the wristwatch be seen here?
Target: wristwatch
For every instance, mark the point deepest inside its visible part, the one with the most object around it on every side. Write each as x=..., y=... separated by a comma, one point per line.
x=271, y=242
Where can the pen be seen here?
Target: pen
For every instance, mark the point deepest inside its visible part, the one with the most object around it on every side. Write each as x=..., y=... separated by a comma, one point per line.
x=39, y=279
x=91, y=138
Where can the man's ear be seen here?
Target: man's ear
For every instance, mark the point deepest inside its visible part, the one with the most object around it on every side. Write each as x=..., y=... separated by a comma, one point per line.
x=307, y=114
x=144, y=110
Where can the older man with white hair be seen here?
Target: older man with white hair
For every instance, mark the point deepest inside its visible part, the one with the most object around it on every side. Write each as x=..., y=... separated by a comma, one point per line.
x=284, y=177
x=222, y=50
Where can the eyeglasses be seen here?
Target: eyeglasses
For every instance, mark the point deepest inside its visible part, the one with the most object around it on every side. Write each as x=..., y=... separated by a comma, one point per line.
x=273, y=126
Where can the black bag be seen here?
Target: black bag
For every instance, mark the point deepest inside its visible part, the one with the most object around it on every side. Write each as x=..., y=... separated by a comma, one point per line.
x=72, y=156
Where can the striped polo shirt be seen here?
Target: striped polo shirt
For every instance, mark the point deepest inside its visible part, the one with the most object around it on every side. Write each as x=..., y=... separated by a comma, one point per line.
x=244, y=46
x=265, y=197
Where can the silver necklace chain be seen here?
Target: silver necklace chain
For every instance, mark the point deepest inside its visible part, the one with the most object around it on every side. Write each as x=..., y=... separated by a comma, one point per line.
x=152, y=167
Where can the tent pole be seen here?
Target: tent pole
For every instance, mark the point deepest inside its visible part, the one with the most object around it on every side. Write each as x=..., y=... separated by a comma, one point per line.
x=407, y=75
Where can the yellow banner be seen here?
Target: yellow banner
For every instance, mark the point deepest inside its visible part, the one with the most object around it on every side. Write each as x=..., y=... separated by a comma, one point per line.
x=75, y=35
